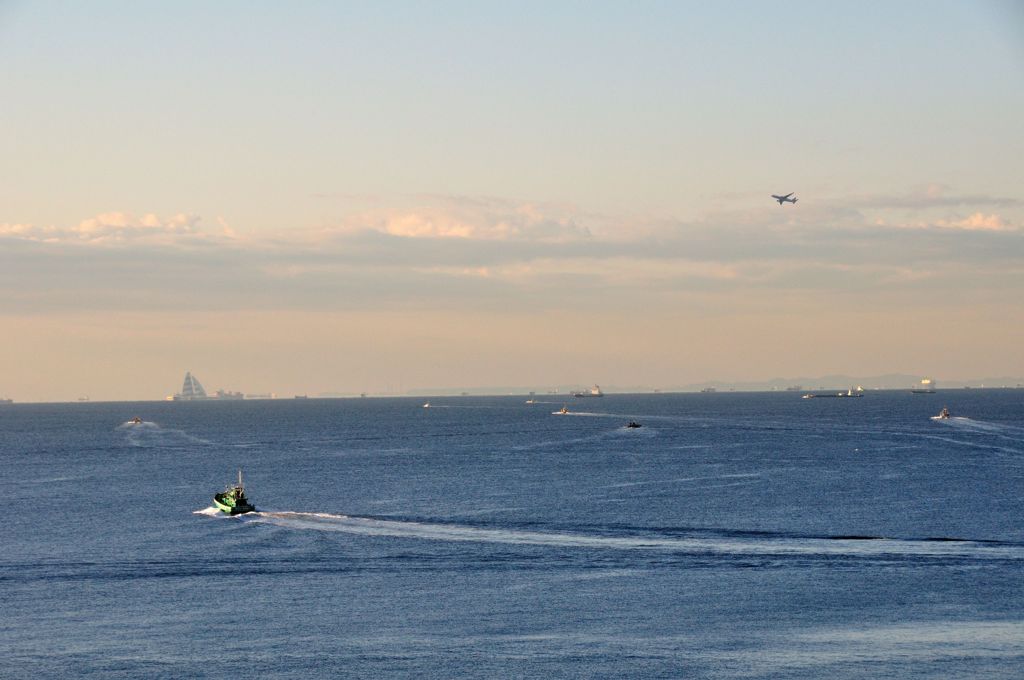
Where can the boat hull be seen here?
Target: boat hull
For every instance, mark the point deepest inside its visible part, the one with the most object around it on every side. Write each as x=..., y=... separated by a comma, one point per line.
x=236, y=509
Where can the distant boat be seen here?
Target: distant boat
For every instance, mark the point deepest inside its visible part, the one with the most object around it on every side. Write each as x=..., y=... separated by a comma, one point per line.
x=794, y=388
x=595, y=391
x=5, y=400
x=232, y=500
x=926, y=386
x=561, y=412
x=301, y=396
x=848, y=393
x=531, y=401
x=633, y=425
x=426, y=405
x=136, y=421
x=709, y=390
x=943, y=414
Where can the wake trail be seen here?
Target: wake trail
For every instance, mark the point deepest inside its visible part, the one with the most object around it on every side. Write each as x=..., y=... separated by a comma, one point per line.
x=618, y=434
x=996, y=430
x=725, y=545
x=972, y=424
x=971, y=444
x=149, y=434
x=617, y=416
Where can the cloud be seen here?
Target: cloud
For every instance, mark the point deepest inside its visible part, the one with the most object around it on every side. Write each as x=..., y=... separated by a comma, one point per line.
x=928, y=196
x=23, y=231
x=113, y=228
x=470, y=218
x=978, y=222
x=467, y=252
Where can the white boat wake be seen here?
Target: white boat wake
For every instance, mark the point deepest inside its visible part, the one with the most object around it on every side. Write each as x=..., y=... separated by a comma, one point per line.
x=963, y=422
x=740, y=545
x=149, y=434
x=132, y=425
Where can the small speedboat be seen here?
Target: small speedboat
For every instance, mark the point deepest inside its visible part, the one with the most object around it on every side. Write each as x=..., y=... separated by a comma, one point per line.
x=232, y=500
x=943, y=414
x=427, y=405
x=136, y=421
x=562, y=411
x=633, y=425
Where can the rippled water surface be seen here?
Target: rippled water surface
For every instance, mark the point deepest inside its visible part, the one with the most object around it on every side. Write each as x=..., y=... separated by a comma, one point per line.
x=733, y=535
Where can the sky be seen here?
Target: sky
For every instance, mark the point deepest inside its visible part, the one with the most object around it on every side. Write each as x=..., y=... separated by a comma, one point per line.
x=315, y=197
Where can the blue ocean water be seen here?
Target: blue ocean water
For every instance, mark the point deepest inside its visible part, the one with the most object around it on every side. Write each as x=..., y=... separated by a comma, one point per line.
x=733, y=535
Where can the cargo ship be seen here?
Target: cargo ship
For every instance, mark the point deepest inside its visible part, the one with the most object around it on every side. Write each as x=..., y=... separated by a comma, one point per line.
x=859, y=392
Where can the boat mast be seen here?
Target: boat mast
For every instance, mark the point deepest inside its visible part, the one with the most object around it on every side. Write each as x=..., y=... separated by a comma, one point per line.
x=240, y=479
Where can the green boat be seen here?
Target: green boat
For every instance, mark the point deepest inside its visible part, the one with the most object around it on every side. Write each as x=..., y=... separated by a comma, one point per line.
x=232, y=500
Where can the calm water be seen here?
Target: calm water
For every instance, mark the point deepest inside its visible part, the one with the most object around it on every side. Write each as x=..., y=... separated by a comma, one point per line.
x=734, y=535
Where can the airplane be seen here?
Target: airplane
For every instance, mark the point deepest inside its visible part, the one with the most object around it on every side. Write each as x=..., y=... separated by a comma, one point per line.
x=786, y=198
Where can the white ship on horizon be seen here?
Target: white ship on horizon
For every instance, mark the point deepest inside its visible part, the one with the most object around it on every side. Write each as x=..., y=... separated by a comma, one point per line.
x=926, y=386
x=192, y=390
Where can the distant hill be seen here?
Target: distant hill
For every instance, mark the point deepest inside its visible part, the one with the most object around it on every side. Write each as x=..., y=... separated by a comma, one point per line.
x=891, y=381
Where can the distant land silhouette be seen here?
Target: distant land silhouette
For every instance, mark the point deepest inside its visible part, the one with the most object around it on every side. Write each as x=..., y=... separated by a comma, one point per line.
x=891, y=381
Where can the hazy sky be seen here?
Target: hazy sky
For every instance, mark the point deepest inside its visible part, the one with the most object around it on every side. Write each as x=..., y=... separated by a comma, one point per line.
x=318, y=196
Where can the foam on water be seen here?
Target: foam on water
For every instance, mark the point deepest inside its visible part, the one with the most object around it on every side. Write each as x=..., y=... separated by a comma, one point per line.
x=145, y=424
x=210, y=512
x=682, y=480
x=975, y=444
x=969, y=423
x=728, y=545
x=148, y=434
x=600, y=436
x=910, y=644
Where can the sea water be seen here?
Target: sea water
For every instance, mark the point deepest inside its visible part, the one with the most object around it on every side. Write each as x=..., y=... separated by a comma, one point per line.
x=733, y=535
